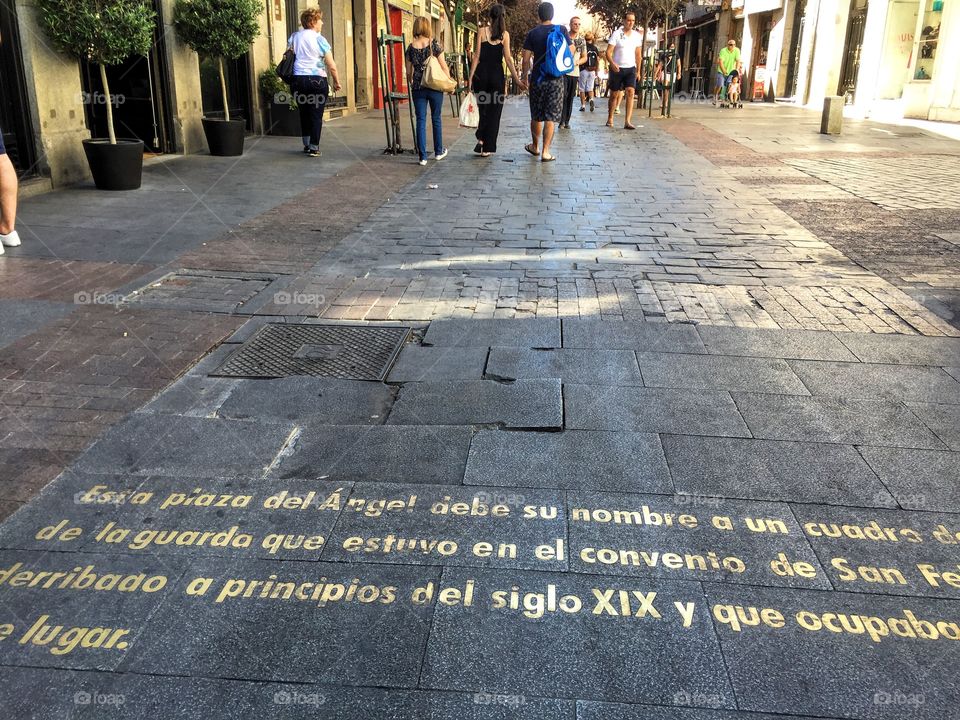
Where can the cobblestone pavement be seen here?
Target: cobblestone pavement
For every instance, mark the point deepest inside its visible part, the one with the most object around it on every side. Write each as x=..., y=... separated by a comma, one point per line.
x=667, y=429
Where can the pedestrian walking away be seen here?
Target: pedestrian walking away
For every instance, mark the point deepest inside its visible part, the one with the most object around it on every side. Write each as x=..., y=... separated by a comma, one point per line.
x=666, y=75
x=546, y=86
x=728, y=62
x=8, y=200
x=419, y=51
x=572, y=80
x=587, y=82
x=487, y=79
x=624, y=55
x=313, y=71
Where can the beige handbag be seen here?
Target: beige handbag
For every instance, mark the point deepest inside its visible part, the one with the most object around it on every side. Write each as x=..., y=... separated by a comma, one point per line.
x=435, y=78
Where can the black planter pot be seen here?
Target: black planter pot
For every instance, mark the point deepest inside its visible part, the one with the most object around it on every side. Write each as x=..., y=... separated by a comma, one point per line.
x=115, y=167
x=284, y=121
x=225, y=137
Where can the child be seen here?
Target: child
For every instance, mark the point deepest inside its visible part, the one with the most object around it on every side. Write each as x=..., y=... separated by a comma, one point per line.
x=733, y=90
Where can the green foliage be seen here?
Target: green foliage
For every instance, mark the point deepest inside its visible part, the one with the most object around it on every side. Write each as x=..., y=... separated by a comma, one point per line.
x=218, y=28
x=106, y=32
x=274, y=89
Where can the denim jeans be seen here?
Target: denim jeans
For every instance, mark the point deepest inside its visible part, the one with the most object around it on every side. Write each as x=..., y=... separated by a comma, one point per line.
x=311, y=92
x=421, y=98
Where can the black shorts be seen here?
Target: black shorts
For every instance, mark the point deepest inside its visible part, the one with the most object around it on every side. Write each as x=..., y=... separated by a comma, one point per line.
x=546, y=100
x=624, y=79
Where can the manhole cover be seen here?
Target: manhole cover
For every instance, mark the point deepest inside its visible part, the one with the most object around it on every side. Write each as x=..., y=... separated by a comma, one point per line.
x=354, y=352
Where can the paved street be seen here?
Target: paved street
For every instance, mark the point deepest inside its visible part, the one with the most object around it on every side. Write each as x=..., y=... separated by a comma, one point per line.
x=668, y=429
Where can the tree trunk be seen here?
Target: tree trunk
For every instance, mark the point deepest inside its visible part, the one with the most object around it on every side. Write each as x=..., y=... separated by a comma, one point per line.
x=111, y=133
x=223, y=88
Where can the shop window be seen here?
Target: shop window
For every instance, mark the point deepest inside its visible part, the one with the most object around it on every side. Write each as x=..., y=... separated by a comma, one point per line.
x=925, y=50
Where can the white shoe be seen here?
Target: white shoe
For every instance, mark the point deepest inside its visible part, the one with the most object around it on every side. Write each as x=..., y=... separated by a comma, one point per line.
x=442, y=155
x=617, y=111
x=11, y=240
x=422, y=162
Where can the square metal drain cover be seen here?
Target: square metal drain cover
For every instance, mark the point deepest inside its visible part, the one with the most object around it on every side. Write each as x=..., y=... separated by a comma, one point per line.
x=352, y=352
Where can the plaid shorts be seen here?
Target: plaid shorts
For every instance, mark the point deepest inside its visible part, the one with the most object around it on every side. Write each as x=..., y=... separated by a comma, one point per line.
x=546, y=100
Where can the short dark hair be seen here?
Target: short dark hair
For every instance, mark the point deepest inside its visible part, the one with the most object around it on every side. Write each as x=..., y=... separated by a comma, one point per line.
x=628, y=13
x=545, y=11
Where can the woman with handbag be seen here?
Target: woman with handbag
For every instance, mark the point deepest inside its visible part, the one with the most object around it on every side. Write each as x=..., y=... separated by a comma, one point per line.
x=487, y=79
x=312, y=66
x=422, y=52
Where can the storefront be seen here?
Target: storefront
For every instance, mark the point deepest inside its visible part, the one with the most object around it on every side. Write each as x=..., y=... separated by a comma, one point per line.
x=910, y=64
x=761, y=48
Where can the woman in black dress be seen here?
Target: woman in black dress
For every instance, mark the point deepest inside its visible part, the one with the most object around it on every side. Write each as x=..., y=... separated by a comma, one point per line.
x=488, y=81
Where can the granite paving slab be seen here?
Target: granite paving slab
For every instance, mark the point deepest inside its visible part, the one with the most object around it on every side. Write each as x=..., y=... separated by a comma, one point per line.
x=167, y=516
x=918, y=479
x=944, y=420
x=907, y=383
x=50, y=693
x=200, y=447
x=317, y=622
x=903, y=349
x=377, y=453
x=773, y=470
x=527, y=332
x=78, y=610
x=838, y=420
x=690, y=538
x=309, y=399
x=192, y=396
x=793, y=344
x=520, y=404
x=628, y=335
x=572, y=459
x=865, y=656
x=695, y=412
x=458, y=526
x=589, y=710
x=571, y=365
x=715, y=372
x=577, y=636
x=888, y=552
x=417, y=363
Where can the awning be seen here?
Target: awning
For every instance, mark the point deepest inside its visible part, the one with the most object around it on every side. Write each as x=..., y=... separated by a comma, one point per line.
x=758, y=6
x=704, y=22
x=677, y=31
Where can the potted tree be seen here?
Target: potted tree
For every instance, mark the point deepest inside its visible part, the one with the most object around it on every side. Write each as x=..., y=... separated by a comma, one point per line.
x=105, y=32
x=220, y=29
x=281, y=106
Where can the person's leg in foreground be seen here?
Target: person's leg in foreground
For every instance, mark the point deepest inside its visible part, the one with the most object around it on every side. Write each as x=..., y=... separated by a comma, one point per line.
x=8, y=201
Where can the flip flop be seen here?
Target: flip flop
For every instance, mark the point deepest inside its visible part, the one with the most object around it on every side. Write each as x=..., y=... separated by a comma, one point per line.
x=532, y=152
x=544, y=158
x=629, y=127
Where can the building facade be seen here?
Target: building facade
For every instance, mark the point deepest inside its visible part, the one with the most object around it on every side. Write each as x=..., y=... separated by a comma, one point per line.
x=49, y=103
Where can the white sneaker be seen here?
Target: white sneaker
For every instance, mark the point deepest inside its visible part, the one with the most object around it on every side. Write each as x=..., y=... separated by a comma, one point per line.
x=422, y=162
x=11, y=240
x=442, y=155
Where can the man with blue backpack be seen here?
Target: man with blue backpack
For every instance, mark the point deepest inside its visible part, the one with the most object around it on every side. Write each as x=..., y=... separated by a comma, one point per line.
x=548, y=58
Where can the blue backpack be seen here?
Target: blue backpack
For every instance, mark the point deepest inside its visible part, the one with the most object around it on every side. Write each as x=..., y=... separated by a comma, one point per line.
x=558, y=60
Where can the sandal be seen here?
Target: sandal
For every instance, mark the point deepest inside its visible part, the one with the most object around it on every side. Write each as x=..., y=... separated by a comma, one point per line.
x=544, y=158
x=532, y=152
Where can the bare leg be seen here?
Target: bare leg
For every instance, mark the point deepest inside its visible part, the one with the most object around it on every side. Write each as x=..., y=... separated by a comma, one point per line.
x=615, y=96
x=8, y=196
x=548, y=128
x=536, y=130
x=630, y=95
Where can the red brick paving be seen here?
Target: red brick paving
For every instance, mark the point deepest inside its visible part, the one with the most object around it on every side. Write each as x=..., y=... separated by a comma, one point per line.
x=63, y=280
